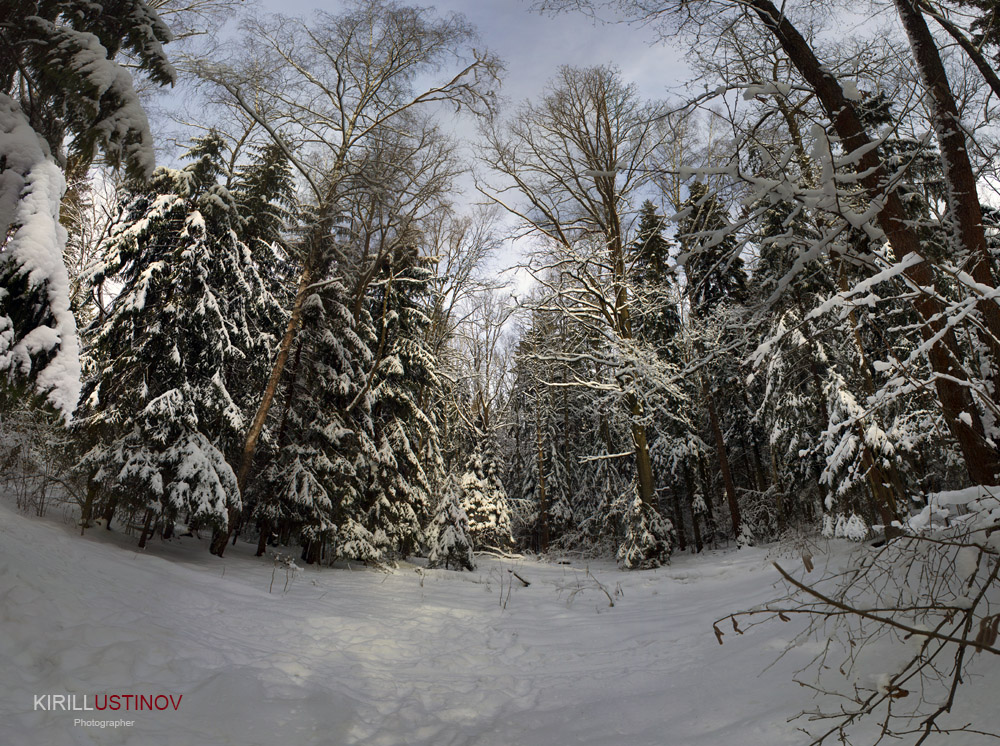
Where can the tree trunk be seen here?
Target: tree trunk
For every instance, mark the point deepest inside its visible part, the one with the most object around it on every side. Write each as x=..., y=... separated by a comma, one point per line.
x=93, y=488
x=974, y=53
x=962, y=194
x=723, y=455
x=679, y=523
x=221, y=538
x=109, y=512
x=644, y=466
x=257, y=426
x=543, y=504
x=706, y=484
x=779, y=495
x=957, y=406
x=145, y=529
x=265, y=533
x=689, y=486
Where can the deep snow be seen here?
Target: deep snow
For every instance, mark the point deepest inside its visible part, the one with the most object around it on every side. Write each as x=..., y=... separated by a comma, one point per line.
x=358, y=656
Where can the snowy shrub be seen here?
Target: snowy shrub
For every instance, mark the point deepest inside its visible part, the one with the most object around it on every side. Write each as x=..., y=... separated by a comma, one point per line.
x=484, y=501
x=647, y=542
x=448, y=535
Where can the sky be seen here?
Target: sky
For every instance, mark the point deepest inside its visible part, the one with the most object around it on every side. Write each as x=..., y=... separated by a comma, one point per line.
x=532, y=47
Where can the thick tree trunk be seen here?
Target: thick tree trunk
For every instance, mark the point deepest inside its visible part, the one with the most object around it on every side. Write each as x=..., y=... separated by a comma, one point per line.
x=265, y=533
x=962, y=194
x=257, y=426
x=643, y=464
x=109, y=512
x=974, y=53
x=881, y=490
x=957, y=406
x=679, y=523
x=622, y=319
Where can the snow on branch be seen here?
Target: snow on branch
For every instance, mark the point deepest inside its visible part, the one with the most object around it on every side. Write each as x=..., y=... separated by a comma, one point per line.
x=38, y=336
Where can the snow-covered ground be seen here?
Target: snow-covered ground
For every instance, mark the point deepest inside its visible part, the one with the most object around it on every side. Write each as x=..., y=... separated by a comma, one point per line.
x=357, y=656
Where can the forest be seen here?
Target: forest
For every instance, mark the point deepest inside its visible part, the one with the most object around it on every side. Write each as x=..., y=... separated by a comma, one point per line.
x=364, y=308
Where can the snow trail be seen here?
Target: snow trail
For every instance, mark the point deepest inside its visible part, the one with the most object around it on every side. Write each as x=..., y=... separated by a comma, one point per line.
x=357, y=656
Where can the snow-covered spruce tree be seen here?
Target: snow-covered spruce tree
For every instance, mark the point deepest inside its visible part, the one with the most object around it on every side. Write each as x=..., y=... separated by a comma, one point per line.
x=606, y=487
x=364, y=369
x=264, y=189
x=647, y=537
x=710, y=253
x=157, y=406
x=653, y=272
x=262, y=186
x=310, y=490
x=448, y=536
x=818, y=368
x=484, y=501
x=716, y=281
x=353, y=61
x=60, y=68
x=60, y=84
x=398, y=490
x=549, y=435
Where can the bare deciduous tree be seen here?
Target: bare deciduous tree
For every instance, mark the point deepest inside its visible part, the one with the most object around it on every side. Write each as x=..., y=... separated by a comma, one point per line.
x=574, y=164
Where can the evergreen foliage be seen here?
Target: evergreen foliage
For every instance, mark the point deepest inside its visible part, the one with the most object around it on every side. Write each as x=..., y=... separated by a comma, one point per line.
x=484, y=501
x=181, y=327
x=711, y=254
x=61, y=82
x=448, y=534
x=59, y=63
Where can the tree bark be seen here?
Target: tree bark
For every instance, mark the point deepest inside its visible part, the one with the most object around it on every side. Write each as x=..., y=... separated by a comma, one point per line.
x=974, y=53
x=543, y=504
x=679, y=523
x=723, y=456
x=643, y=463
x=109, y=511
x=145, y=529
x=962, y=194
x=257, y=426
x=93, y=488
x=221, y=538
x=950, y=381
x=689, y=486
x=265, y=533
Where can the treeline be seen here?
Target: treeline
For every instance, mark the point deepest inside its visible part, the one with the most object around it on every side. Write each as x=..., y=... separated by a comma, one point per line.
x=771, y=309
